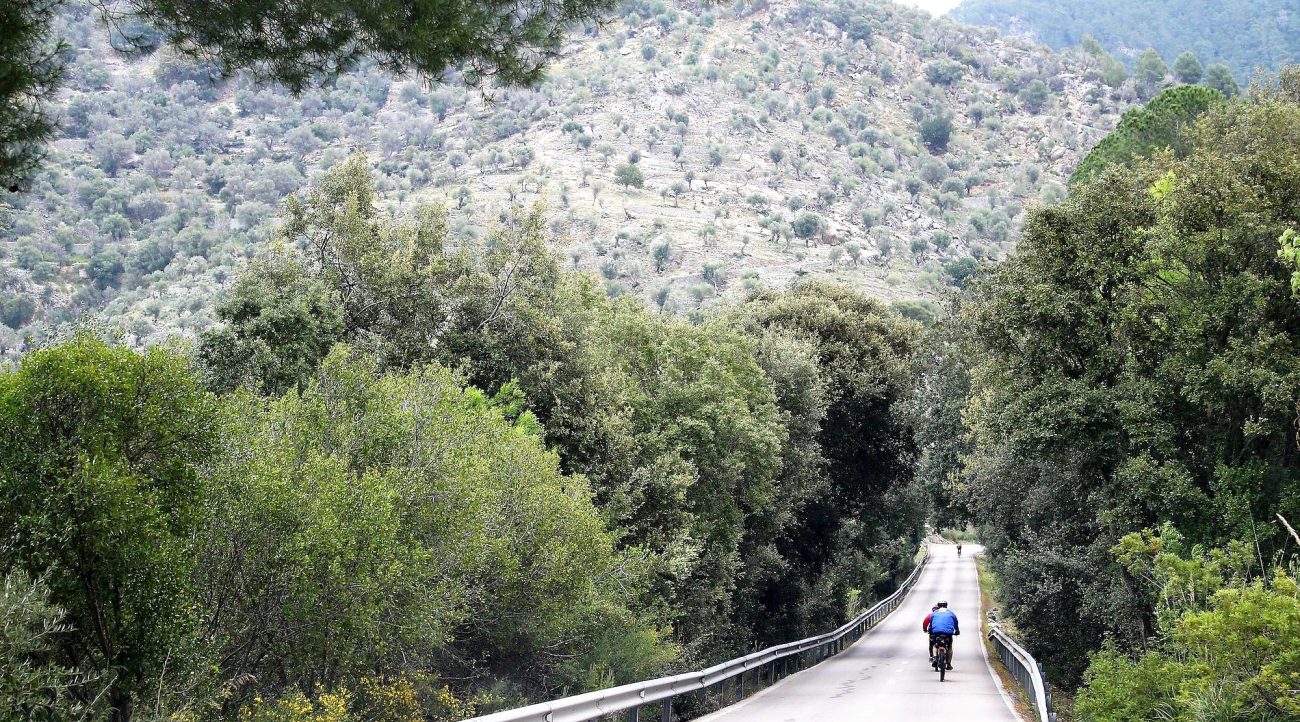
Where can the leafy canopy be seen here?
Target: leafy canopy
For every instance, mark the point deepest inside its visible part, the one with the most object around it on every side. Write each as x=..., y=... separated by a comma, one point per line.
x=100, y=495
x=1229, y=643
x=1135, y=363
x=31, y=67
x=1161, y=123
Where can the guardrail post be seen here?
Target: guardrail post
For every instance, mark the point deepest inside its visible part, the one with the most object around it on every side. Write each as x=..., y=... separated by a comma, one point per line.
x=740, y=686
x=634, y=715
x=667, y=710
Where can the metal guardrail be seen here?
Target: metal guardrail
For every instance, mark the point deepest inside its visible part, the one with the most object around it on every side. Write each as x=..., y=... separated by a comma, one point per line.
x=765, y=667
x=1027, y=671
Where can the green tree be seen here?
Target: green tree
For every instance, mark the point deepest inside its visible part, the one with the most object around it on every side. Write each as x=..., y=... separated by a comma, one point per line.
x=677, y=190
x=913, y=187
x=1150, y=70
x=17, y=309
x=1227, y=643
x=1188, y=69
x=105, y=268
x=280, y=324
x=31, y=64
x=862, y=351
x=1289, y=253
x=1161, y=123
x=708, y=442
x=936, y=131
x=335, y=513
x=1114, y=73
x=809, y=225
x=393, y=282
x=662, y=253
x=1035, y=95
x=99, y=447
x=629, y=176
x=944, y=72
x=1219, y=78
x=961, y=270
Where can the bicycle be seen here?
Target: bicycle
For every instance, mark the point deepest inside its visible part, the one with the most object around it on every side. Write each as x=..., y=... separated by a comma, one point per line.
x=942, y=654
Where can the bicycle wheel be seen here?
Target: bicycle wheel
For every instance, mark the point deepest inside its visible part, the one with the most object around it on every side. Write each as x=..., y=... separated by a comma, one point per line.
x=943, y=664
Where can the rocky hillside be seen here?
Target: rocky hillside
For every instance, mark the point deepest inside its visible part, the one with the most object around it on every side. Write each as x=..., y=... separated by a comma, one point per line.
x=684, y=152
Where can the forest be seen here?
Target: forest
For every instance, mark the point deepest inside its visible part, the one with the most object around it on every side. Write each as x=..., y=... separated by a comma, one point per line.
x=405, y=479
x=1242, y=38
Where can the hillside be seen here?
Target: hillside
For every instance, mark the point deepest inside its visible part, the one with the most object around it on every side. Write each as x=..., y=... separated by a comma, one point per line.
x=762, y=142
x=1213, y=30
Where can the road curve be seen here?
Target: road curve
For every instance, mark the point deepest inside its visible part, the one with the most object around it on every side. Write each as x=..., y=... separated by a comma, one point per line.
x=886, y=676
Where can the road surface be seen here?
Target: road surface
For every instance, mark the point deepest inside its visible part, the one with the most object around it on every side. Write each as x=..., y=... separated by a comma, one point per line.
x=886, y=677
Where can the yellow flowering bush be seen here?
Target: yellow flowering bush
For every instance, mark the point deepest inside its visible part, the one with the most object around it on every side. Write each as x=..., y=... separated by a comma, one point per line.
x=297, y=707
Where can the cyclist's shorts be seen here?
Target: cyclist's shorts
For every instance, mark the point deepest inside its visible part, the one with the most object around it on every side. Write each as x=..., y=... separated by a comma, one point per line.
x=946, y=638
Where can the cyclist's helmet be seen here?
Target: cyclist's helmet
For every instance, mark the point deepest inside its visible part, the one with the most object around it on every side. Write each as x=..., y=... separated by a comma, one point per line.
x=943, y=604
x=935, y=607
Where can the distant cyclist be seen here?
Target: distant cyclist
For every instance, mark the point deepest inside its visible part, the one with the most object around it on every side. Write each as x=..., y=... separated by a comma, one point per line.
x=942, y=623
x=959, y=550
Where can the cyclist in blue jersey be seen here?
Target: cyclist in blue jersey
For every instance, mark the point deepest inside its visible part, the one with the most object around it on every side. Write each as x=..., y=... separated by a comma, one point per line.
x=942, y=623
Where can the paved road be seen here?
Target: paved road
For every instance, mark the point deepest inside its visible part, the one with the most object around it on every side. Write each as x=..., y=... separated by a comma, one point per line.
x=886, y=677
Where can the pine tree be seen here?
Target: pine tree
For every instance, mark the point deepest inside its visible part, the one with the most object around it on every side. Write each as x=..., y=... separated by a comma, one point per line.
x=31, y=66
x=1218, y=76
x=1188, y=69
x=1150, y=70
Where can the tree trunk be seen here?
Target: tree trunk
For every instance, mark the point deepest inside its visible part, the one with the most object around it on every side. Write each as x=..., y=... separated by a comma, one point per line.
x=121, y=702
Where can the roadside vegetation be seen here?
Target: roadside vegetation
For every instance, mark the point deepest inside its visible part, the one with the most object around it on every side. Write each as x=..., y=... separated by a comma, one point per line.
x=406, y=479
x=1124, y=395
